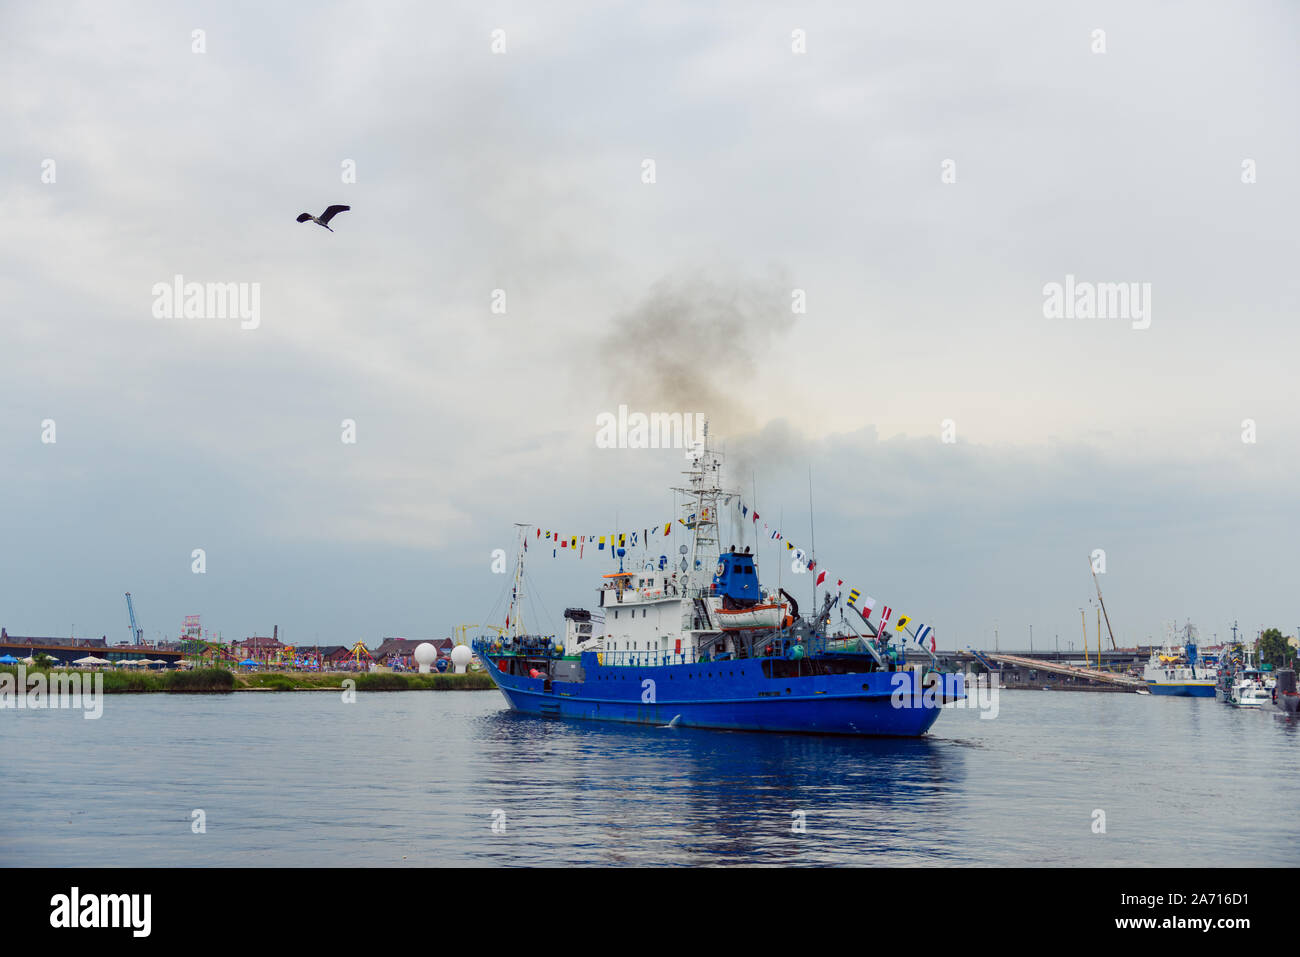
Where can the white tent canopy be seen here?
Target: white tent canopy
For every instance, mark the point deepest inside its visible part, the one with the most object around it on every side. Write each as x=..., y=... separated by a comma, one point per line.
x=92, y=660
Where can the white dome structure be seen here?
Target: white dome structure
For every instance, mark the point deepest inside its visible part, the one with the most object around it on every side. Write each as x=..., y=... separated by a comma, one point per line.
x=425, y=655
x=460, y=657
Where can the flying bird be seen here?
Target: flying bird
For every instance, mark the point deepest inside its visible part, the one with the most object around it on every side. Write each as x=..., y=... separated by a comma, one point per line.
x=324, y=218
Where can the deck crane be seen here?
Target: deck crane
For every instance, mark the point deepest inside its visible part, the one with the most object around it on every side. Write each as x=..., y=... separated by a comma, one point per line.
x=137, y=633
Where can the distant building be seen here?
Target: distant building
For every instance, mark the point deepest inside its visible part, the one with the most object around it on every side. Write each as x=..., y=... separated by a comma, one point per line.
x=328, y=654
x=258, y=648
x=404, y=648
x=8, y=639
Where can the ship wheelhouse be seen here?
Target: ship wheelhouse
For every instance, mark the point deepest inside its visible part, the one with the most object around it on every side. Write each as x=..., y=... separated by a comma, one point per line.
x=642, y=615
x=736, y=579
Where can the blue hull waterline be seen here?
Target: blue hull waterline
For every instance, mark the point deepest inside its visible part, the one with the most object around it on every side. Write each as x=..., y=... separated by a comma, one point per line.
x=737, y=696
x=1182, y=691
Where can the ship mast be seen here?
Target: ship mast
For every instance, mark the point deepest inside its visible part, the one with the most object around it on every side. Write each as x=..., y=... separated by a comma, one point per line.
x=517, y=591
x=700, y=511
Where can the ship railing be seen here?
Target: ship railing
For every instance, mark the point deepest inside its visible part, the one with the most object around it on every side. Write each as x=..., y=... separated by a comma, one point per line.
x=643, y=659
x=520, y=649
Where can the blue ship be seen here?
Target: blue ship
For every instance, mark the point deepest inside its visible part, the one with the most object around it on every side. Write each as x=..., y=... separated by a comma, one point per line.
x=706, y=646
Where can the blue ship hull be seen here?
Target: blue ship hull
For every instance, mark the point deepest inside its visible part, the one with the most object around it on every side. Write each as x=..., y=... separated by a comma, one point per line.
x=1182, y=691
x=735, y=695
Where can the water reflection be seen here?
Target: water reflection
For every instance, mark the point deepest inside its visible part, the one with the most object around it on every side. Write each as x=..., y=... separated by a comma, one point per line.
x=703, y=797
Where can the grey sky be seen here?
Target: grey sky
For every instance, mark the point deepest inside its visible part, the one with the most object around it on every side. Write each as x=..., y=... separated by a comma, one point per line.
x=522, y=172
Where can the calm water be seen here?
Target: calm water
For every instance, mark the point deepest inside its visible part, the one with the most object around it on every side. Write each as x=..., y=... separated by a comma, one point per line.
x=413, y=778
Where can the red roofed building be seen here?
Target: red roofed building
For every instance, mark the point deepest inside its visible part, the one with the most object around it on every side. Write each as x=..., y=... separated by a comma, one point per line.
x=257, y=648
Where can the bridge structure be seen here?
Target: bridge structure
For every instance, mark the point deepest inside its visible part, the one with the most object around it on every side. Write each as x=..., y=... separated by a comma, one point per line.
x=1118, y=669
x=1073, y=671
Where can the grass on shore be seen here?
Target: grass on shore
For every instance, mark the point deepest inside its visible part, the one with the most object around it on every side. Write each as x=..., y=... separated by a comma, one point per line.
x=209, y=680
x=278, y=681
x=367, y=681
x=200, y=679
x=221, y=681
x=394, y=681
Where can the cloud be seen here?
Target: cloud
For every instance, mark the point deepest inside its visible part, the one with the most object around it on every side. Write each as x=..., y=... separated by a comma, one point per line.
x=697, y=344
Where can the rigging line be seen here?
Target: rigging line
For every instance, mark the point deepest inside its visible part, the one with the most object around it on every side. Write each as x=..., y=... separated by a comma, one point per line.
x=532, y=604
x=534, y=595
x=501, y=596
x=493, y=610
x=812, y=539
x=536, y=617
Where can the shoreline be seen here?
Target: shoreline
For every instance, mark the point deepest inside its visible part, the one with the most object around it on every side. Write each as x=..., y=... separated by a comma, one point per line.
x=221, y=681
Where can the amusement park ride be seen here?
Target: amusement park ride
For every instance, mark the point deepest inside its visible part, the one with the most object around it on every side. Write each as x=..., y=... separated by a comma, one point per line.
x=211, y=652
x=204, y=650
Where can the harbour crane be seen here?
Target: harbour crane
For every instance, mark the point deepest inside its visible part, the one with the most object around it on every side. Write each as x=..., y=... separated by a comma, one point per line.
x=137, y=633
x=1113, y=646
